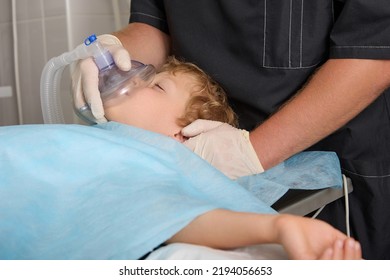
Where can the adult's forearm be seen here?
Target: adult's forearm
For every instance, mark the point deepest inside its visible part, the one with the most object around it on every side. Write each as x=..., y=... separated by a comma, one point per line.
x=145, y=43
x=339, y=91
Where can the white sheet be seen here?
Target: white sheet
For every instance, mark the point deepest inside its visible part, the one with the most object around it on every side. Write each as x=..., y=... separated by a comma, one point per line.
x=181, y=251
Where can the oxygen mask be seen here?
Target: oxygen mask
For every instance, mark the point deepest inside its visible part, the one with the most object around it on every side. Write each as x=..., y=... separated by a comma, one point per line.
x=114, y=84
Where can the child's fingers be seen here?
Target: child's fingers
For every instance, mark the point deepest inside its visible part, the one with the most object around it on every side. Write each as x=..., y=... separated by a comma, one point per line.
x=327, y=255
x=335, y=252
x=347, y=249
x=338, y=250
x=352, y=250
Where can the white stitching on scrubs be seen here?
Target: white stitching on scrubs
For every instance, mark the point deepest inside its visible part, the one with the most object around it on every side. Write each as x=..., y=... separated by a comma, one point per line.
x=366, y=176
x=301, y=42
x=265, y=30
x=143, y=14
x=362, y=47
x=289, y=36
x=292, y=68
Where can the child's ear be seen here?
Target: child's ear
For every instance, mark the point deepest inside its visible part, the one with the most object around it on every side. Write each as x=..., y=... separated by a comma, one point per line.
x=180, y=137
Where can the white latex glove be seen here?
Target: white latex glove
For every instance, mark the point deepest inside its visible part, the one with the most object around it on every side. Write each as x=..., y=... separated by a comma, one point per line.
x=85, y=80
x=223, y=146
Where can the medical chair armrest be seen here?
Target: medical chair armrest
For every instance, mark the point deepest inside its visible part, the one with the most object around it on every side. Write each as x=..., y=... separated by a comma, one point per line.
x=303, y=202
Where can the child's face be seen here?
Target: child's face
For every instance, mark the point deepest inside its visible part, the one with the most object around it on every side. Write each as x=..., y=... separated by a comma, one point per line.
x=156, y=107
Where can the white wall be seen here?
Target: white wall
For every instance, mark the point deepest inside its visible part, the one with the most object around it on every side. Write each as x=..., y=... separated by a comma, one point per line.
x=46, y=28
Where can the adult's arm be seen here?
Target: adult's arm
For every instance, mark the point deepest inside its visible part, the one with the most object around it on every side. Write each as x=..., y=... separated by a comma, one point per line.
x=335, y=94
x=145, y=43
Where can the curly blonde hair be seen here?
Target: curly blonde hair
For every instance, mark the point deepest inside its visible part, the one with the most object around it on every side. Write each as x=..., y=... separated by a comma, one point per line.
x=207, y=100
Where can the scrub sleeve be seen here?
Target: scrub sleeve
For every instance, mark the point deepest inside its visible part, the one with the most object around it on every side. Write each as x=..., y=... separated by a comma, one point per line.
x=362, y=30
x=262, y=52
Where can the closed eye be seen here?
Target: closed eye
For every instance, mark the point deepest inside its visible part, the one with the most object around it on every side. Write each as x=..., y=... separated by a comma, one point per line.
x=158, y=86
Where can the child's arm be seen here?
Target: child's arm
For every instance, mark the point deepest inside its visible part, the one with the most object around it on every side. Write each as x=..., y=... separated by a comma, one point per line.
x=302, y=238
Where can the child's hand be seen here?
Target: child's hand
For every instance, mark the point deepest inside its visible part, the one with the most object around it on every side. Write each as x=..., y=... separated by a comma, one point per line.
x=305, y=238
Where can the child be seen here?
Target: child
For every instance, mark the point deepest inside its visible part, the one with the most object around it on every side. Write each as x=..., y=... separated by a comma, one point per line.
x=182, y=93
x=115, y=191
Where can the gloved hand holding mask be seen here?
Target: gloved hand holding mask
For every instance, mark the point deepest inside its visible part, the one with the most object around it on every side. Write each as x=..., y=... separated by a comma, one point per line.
x=85, y=79
x=223, y=146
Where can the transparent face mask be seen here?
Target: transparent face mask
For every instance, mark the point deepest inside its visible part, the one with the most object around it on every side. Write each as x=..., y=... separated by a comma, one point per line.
x=115, y=84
